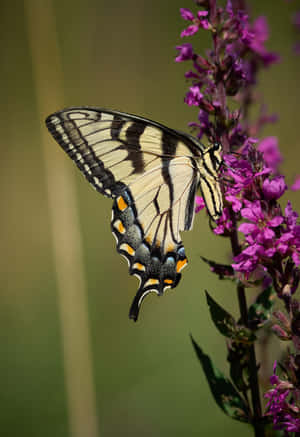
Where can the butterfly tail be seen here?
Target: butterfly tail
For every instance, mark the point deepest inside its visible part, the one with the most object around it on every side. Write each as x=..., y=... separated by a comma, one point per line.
x=137, y=302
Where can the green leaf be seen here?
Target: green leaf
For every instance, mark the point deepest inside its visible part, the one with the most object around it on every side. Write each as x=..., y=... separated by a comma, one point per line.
x=223, y=391
x=244, y=335
x=223, y=321
x=224, y=271
x=260, y=311
x=226, y=324
x=238, y=358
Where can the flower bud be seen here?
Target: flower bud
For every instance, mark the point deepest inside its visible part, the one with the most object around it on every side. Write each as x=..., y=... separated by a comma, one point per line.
x=279, y=315
x=281, y=333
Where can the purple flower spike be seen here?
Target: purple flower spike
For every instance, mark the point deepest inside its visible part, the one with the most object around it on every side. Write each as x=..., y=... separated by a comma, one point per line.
x=281, y=404
x=265, y=240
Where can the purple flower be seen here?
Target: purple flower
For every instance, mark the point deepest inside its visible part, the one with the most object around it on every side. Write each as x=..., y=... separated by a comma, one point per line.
x=236, y=203
x=270, y=150
x=296, y=184
x=259, y=35
x=185, y=52
x=198, y=22
x=204, y=124
x=269, y=247
x=194, y=96
x=240, y=171
x=190, y=30
x=243, y=174
x=224, y=223
x=281, y=404
x=274, y=378
x=203, y=22
x=261, y=227
x=186, y=14
x=288, y=244
x=246, y=263
x=260, y=238
x=274, y=188
x=199, y=204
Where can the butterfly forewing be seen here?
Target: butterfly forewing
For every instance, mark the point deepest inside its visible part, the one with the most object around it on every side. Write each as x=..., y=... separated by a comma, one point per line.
x=152, y=173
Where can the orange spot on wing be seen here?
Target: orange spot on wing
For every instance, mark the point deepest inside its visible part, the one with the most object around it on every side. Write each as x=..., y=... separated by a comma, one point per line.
x=149, y=239
x=139, y=266
x=127, y=249
x=121, y=203
x=153, y=281
x=121, y=228
x=130, y=250
x=168, y=281
x=170, y=248
x=180, y=264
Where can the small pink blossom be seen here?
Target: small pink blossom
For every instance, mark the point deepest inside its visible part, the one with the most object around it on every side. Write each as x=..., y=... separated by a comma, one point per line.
x=199, y=204
x=296, y=184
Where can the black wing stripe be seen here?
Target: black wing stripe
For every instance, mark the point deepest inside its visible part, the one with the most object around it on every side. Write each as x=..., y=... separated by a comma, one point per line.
x=93, y=169
x=208, y=170
x=169, y=145
x=190, y=210
x=216, y=212
x=188, y=140
x=133, y=134
x=116, y=127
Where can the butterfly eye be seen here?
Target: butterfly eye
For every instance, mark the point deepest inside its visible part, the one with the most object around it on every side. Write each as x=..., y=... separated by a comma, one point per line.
x=216, y=147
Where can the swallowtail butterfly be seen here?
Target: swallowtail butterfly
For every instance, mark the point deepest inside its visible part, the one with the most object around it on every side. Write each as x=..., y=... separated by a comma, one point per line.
x=152, y=173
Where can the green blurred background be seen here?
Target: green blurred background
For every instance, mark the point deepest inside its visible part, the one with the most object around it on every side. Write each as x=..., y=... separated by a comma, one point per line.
x=71, y=362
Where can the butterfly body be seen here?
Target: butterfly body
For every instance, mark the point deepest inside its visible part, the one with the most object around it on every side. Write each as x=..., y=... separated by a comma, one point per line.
x=152, y=173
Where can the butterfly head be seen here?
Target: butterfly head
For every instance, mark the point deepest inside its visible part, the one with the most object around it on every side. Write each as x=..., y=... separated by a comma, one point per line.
x=213, y=154
x=216, y=147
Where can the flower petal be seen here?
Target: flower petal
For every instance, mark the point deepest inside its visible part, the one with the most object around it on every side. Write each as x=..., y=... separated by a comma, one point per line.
x=186, y=14
x=296, y=184
x=189, y=31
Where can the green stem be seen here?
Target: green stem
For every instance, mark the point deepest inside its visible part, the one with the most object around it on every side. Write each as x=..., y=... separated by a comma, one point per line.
x=253, y=369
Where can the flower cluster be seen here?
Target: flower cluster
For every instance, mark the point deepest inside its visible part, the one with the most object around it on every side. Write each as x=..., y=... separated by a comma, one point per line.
x=271, y=242
x=239, y=51
x=284, y=401
x=269, y=250
x=255, y=182
x=272, y=237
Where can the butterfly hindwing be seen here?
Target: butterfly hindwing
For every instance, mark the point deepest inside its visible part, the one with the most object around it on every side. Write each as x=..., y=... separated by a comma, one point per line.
x=147, y=221
x=152, y=173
